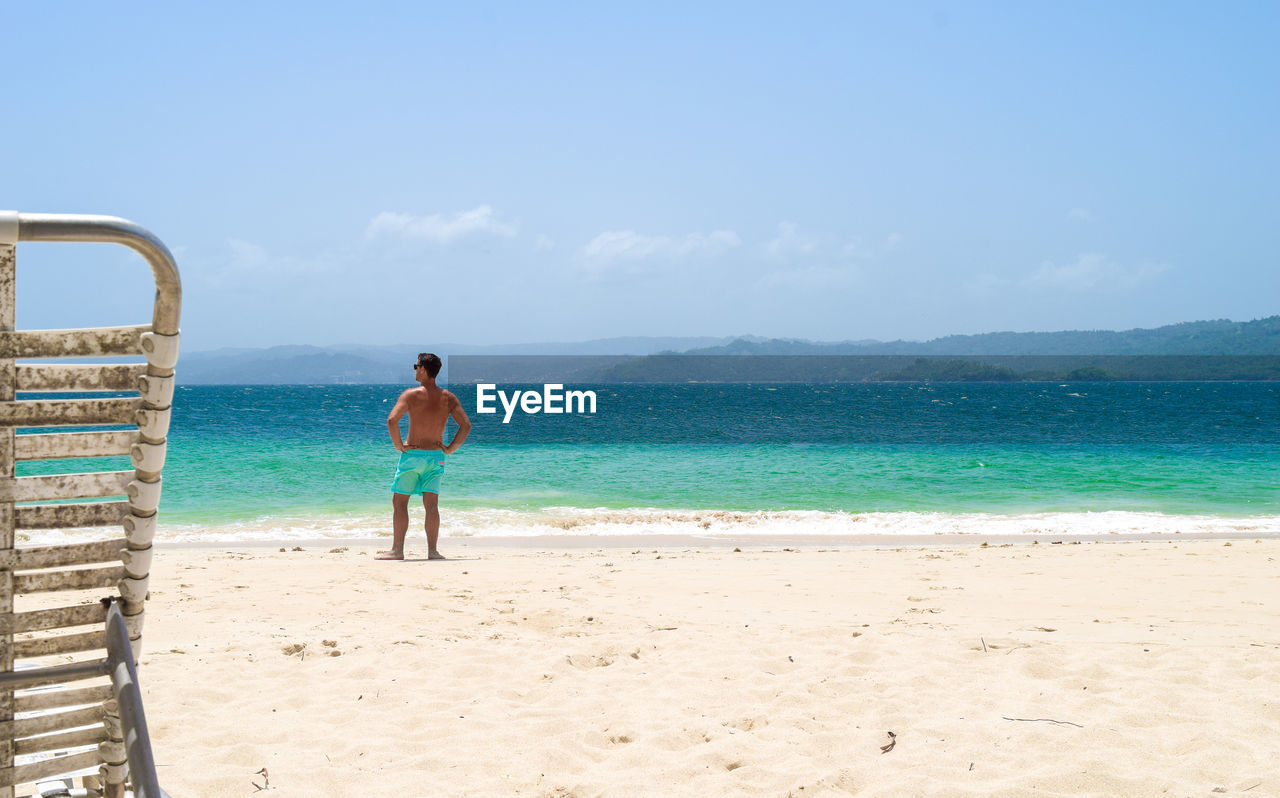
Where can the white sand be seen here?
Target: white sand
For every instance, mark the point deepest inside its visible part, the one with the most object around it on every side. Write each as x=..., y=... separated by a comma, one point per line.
x=1131, y=668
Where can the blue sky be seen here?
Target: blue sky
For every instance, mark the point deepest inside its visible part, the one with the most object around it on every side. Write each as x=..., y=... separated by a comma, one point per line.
x=489, y=173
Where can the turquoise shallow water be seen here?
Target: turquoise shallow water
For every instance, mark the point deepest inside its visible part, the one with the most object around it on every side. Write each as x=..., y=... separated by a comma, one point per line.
x=292, y=459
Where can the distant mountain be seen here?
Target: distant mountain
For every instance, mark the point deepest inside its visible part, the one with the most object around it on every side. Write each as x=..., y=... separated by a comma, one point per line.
x=393, y=364
x=1220, y=337
x=355, y=363
x=273, y=367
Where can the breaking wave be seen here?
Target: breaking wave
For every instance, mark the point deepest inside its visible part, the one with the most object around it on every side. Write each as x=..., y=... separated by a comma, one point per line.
x=602, y=522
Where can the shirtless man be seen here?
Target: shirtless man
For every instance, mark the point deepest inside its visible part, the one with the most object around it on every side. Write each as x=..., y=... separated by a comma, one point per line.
x=422, y=458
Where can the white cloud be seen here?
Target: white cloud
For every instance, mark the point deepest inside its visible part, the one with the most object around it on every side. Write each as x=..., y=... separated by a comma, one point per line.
x=247, y=255
x=1093, y=271
x=248, y=258
x=544, y=242
x=245, y=263
x=859, y=250
x=1080, y=214
x=630, y=245
x=440, y=228
x=790, y=242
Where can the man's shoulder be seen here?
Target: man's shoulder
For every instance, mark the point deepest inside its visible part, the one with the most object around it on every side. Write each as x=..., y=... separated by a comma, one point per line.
x=414, y=395
x=431, y=394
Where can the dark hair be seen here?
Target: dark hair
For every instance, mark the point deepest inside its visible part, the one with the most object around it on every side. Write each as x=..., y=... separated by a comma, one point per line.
x=430, y=362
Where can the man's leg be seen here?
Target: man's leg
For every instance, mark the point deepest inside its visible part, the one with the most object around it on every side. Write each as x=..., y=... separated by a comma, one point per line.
x=431, y=503
x=399, y=526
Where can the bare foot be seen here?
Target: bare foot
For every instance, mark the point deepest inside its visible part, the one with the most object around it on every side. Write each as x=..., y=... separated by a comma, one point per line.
x=389, y=555
x=435, y=555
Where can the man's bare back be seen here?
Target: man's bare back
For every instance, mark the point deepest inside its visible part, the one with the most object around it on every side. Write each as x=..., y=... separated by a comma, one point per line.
x=429, y=408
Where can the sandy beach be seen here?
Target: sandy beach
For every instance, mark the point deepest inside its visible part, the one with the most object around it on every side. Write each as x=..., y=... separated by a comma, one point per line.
x=1094, y=668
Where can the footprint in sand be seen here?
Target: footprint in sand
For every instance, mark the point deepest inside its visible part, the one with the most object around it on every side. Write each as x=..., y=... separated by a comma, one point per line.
x=746, y=723
x=585, y=661
x=683, y=739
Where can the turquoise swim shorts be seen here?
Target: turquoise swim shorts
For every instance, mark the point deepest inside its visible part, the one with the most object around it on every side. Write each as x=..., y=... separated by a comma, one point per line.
x=419, y=472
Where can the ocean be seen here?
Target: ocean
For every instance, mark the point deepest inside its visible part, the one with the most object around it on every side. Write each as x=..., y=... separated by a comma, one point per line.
x=304, y=462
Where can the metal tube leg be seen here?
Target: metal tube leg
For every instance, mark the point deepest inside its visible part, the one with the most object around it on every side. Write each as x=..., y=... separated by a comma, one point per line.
x=114, y=769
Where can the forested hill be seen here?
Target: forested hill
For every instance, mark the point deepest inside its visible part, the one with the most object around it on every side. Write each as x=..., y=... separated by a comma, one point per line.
x=392, y=364
x=1221, y=337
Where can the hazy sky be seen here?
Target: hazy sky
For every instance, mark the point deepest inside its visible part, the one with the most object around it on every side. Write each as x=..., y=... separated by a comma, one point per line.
x=490, y=172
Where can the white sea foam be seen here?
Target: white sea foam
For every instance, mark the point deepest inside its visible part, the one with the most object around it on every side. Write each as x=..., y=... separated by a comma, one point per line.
x=604, y=522
x=576, y=521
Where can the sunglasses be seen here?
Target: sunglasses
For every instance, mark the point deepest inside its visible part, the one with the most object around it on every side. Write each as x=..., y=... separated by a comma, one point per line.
x=417, y=366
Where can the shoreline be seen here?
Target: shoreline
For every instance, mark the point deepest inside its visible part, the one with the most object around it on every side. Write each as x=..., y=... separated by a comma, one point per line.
x=682, y=541
x=586, y=527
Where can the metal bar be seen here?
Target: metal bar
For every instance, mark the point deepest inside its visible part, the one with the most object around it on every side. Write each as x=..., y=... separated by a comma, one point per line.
x=78, y=377
x=60, y=740
x=61, y=445
x=38, y=771
x=53, y=722
x=114, y=230
x=80, y=579
x=58, y=644
x=88, y=342
x=41, y=676
x=70, y=554
x=55, y=674
x=124, y=679
x=55, y=618
x=67, y=412
x=58, y=699
x=92, y=485
x=70, y=516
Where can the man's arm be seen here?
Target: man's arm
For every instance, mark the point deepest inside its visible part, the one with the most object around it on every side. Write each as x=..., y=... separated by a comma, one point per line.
x=393, y=421
x=464, y=425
